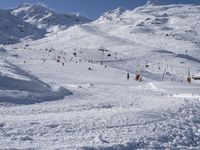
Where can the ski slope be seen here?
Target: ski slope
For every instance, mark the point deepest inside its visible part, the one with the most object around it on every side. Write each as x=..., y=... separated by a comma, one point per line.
x=143, y=36
x=105, y=111
x=56, y=94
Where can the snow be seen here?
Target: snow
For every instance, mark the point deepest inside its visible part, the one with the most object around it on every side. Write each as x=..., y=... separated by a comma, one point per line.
x=33, y=21
x=55, y=93
x=188, y=96
x=13, y=29
x=43, y=17
x=20, y=87
x=197, y=75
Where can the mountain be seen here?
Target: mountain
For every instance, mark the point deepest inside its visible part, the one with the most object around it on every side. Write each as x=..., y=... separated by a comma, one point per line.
x=155, y=2
x=112, y=14
x=78, y=89
x=146, y=34
x=43, y=17
x=13, y=29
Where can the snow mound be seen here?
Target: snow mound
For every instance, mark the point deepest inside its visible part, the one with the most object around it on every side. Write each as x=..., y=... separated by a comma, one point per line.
x=20, y=87
x=152, y=87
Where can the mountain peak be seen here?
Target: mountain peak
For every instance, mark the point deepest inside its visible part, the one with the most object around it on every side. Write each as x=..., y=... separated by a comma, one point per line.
x=155, y=2
x=112, y=14
x=23, y=5
x=37, y=6
x=120, y=9
x=40, y=5
x=117, y=11
x=28, y=4
x=41, y=16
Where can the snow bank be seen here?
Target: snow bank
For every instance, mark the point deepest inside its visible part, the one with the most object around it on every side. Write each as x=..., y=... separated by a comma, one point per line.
x=151, y=86
x=19, y=87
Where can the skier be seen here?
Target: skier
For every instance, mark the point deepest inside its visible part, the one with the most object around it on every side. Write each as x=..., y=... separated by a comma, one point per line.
x=128, y=76
x=90, y=69
x=137, y=78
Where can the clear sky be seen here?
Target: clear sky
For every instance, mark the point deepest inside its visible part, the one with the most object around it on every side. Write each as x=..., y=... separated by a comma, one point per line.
x=88, y=8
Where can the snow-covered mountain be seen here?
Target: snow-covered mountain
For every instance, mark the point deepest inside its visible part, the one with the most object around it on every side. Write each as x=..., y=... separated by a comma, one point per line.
x=155, y=2
x=13, y=29
x=43, y=17
x=33, y=22
x=145, y=34
x=112, y=14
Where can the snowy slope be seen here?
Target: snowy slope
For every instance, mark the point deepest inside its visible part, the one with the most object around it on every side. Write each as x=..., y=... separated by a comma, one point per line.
x=43, y=17
x=106, y=111
x=138, y=38
x=12, y=29
x=19, y=86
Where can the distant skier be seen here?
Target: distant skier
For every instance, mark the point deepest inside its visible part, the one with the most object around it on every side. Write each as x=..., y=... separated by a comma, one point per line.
x=90, y=68
x=137, y=78
x=128, y=76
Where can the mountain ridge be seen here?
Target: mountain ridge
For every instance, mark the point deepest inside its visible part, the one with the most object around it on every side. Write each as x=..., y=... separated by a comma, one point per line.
x=155, y=2
x=43, y=17
x=12, y=29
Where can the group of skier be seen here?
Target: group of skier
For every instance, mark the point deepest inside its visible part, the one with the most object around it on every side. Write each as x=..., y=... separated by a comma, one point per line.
x=138, y=77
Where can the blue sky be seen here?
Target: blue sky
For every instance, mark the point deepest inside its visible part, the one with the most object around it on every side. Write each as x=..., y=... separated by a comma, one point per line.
x=89, y=8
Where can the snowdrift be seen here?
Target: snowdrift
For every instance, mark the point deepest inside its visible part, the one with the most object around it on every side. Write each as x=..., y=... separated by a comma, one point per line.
x=19, y=87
